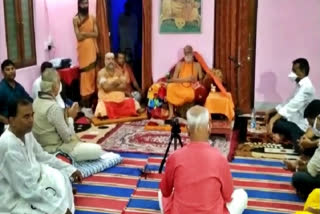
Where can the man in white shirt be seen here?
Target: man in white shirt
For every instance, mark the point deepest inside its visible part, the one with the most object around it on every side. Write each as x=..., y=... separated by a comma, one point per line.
x=287, y=119
x=31, y=180
x=36, y=85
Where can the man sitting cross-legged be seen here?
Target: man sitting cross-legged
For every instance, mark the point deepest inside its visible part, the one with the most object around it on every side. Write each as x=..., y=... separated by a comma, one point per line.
x=36, y=85
x=197, y=177
x=132, y=84
x=180, y=87
x=31, y=180
x=287, y=119
x=307, y=176
x=112, y=88
x=53, y=126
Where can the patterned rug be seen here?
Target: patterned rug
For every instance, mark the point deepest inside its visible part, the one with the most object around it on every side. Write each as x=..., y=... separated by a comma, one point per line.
x=132, y=137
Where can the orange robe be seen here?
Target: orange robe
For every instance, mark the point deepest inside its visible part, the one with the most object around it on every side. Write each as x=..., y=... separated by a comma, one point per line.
x=87, y=57
x=113, y=96
x=127, y=71
x=179, y=94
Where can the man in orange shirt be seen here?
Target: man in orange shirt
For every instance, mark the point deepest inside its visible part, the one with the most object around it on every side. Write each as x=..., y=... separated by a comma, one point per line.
x=197, y=177
x=133, y=87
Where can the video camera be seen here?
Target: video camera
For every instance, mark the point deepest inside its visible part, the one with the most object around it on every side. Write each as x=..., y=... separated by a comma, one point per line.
x=175, y=126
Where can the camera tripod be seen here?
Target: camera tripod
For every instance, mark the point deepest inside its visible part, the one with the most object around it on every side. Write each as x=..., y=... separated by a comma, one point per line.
x=175, y=136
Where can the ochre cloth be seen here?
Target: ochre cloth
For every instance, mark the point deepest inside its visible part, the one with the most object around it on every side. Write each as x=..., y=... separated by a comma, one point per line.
x=218, y=103
x=179, y=94
x=127, y=71
x=208, y=71
x=87, y=57
x=312, y=202
x=113, y=96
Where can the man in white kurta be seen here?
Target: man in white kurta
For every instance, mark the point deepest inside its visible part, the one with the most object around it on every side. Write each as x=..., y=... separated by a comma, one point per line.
x=31, y=180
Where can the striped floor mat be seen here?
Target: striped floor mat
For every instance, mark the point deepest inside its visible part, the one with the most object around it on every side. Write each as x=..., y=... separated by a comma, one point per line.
x=109, y=192
x=267, y=184
x=126, y=189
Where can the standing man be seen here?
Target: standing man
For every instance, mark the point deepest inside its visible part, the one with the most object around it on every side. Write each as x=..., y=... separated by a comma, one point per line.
x=9, y=89
x=287, y=118
x=86, y=31
x=197, y=177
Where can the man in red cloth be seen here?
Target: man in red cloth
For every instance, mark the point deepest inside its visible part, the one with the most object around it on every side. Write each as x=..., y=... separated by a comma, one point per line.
x=112, y=87
x=197, y=177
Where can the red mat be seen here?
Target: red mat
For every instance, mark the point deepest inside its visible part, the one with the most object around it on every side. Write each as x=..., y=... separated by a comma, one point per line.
x=133, y=137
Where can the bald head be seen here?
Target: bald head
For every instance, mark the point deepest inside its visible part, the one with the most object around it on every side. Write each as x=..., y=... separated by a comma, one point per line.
x=198, y=119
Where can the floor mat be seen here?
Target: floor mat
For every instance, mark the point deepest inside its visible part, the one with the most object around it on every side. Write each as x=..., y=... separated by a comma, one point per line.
x=132, y=137
x=267, y=184
x=100, y=122
x=110, y=190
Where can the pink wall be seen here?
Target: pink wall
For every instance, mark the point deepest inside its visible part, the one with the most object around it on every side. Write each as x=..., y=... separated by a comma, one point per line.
x=60, y=15
x=26, y=76
x=52, y=19
x=167, y=48
x=287, y=29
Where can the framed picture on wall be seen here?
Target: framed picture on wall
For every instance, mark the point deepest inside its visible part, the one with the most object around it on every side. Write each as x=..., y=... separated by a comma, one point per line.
x=180, y=16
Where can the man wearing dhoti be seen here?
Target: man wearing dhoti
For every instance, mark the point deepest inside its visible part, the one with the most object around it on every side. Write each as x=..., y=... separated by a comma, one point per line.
x=112, y=85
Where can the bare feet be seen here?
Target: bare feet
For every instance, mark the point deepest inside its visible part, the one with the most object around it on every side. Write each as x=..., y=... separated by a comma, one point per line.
x=141, y=110
x=291, y=165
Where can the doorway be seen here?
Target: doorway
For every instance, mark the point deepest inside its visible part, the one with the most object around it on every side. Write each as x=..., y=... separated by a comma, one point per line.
x=234, y=49
x=125, y=25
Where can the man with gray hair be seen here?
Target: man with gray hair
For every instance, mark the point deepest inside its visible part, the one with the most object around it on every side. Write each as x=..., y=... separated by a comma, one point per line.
x=112, y=87
x=53, y=126
x=197, y=177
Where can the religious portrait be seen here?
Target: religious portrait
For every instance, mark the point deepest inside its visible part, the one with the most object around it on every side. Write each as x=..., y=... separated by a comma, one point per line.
x=180, y=16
